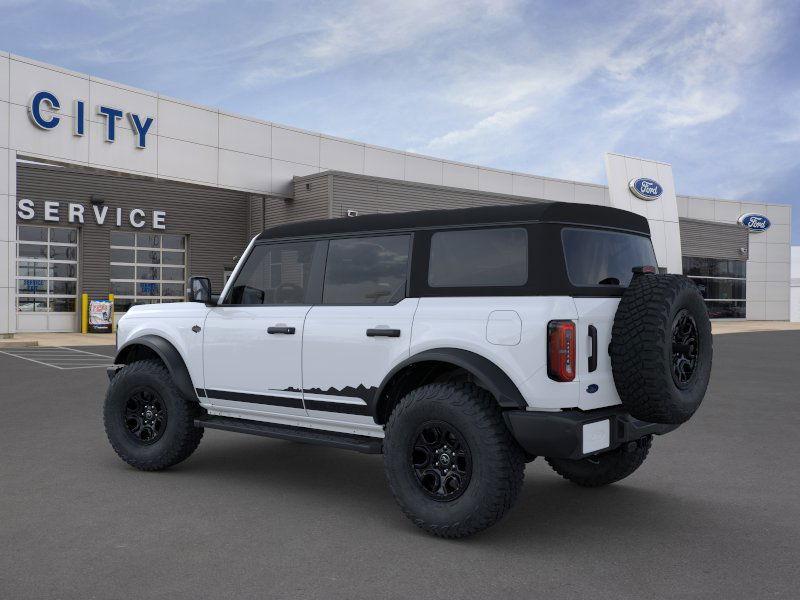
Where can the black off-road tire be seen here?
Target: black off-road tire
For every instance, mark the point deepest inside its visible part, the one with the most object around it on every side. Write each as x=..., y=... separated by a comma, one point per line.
x=605, y=468
x=497, y=461
x=643, y=351
x=179, y=437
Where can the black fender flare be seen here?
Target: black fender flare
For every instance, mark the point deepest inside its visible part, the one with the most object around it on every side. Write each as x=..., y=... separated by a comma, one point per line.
x=491, y=376
x=168, y=354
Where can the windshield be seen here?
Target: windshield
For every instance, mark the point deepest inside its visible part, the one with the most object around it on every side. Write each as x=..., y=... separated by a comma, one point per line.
x=596, y=257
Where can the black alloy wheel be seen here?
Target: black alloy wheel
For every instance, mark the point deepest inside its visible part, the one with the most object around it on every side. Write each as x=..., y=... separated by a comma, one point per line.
x=145, y=416
x=450, y=460
x=441, y=461
x=685, y=348
x=148, y=421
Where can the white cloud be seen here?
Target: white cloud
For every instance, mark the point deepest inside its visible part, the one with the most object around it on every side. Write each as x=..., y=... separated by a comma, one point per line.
x=673, y=66
x=497, y=123
x=537, y=86
x=363, y=28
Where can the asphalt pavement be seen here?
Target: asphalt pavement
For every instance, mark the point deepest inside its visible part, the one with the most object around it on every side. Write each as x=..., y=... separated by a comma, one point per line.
x=713, y=513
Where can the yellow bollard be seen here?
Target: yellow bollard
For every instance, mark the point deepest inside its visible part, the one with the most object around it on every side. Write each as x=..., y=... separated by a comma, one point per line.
x=113, y=325
x=84, y=313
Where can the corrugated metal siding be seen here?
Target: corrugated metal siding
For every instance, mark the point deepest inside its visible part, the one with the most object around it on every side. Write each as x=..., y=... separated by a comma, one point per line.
x=214, y=220
x=256, y=221
x=377, y=195
x=311, y=201
x=713, y=240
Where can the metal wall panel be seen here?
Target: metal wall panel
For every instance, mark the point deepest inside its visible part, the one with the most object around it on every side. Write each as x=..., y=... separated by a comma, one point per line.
x=311, y=201
x=215, y=220
x=365, y=194
x=256, y=220
x=713, y=240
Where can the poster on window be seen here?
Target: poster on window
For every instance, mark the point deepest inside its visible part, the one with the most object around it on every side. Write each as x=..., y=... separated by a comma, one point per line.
x=100, y=316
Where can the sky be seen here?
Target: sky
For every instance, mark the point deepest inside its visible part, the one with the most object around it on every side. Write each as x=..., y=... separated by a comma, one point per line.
x=539, y=87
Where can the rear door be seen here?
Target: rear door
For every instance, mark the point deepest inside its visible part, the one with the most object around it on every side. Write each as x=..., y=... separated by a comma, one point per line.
x=361, y=329
x=599, y=260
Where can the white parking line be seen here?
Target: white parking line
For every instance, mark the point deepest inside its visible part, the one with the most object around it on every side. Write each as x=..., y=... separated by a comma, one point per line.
x=85, y=352
x=62, y=358
x=30, y=359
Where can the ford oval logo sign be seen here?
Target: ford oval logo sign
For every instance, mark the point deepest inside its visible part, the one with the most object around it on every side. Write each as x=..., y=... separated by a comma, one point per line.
x=646, y=189
x=754, y=222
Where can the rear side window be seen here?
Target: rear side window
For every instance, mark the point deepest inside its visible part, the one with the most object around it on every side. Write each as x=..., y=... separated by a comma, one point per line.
x=596, y=257
x=274, y=274
x=479, y=257
x=370, y=270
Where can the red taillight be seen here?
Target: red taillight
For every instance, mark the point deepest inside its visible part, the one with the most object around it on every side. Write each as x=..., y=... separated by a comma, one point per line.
x=561, y=350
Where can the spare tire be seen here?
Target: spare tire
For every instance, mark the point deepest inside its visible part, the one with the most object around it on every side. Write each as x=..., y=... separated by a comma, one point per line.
x=661, y=348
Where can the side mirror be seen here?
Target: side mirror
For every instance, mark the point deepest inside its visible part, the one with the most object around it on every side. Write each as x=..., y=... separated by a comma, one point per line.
x=199, y=290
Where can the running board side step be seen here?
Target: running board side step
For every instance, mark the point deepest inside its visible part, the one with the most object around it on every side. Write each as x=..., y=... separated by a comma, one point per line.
x=345, y=441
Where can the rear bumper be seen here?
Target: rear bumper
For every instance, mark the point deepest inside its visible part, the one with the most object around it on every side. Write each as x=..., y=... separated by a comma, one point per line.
x=577, y=433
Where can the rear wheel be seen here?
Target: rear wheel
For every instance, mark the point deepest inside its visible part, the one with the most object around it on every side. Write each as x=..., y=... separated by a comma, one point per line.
x=451, y=463
x=603, y=469
x=149, y=423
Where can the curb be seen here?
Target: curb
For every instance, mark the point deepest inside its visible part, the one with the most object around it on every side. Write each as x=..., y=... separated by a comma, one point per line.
x=18, y=344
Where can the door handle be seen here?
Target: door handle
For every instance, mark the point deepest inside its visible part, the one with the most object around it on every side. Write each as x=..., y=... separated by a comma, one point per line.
x=281, y=329
x=593, y=356
x=383, y=332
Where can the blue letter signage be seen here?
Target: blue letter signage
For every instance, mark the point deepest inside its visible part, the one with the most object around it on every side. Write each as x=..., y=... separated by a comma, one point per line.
x=754, y=222
x=79, y=126
x=44, y=104
x=140, y=128
x=35, y=110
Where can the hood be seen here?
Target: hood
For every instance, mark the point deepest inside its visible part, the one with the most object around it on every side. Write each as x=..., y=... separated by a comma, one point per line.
x=170, y=309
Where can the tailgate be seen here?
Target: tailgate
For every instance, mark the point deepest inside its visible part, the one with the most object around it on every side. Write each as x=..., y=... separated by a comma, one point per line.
x=595, y=319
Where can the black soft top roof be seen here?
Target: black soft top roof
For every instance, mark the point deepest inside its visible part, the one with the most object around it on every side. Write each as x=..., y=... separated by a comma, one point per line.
x=543, y=212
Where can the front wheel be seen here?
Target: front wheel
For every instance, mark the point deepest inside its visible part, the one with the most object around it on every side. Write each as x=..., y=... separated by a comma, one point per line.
x=149, y=423
x=603, y=469
x=451, y=463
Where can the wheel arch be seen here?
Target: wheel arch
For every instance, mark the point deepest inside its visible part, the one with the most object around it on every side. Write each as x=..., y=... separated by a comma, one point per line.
x=428, y=365
x=154, y=346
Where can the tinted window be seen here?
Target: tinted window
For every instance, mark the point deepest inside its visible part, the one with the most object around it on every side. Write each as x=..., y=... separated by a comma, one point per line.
x=604, y=257
x=479, y=257
x=32, y=234
x=721, y=289
x=274, y=274
x=366, y=270
x=726, y=310
x=714, y=267
x=64, y=236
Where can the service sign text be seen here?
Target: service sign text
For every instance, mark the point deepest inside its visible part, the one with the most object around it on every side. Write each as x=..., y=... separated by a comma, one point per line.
x=101, y=214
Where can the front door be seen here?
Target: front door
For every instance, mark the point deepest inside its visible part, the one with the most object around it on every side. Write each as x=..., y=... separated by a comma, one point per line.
x=253, y=340
x=361, y=329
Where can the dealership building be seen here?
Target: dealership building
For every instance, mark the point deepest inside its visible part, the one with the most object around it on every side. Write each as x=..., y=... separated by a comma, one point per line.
x=107, y=189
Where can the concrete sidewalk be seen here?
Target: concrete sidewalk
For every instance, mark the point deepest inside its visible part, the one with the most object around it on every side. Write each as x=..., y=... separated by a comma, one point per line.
x=734, y=326
x=28, y=340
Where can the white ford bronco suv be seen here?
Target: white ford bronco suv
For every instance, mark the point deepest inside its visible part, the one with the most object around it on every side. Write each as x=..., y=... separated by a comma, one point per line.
x=460, y=344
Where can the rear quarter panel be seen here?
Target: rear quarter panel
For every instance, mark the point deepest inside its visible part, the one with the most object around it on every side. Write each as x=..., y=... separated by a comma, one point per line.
x=458, y=322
